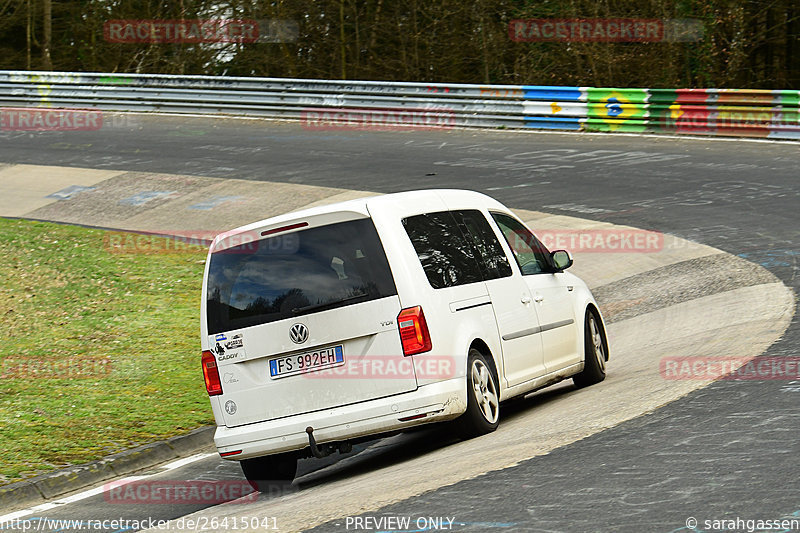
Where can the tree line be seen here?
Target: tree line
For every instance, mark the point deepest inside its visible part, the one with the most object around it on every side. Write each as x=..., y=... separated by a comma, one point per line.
x=745, y=43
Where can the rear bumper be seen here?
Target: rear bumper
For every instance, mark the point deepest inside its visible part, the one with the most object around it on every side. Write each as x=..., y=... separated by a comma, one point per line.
x=441, y=401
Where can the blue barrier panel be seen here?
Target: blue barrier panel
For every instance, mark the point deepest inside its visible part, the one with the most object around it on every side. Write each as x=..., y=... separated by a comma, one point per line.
x=553, y=123
x=552, y=92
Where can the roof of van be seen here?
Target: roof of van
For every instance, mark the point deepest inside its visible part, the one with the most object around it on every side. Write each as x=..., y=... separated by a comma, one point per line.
x=362, y=205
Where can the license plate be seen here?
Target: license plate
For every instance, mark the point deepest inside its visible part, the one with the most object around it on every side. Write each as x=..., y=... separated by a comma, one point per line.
x=306, y=362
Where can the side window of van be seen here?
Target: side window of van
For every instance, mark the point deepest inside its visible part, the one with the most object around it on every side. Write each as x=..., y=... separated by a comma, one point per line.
x=490, y=254
x=446, y=256
x=530, y=253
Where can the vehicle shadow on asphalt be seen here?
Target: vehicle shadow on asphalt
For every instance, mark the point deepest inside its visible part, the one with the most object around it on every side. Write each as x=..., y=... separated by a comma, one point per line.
x=414, y=443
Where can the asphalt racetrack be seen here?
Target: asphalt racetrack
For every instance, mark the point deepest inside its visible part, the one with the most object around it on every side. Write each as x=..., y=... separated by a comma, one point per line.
x=721, y=453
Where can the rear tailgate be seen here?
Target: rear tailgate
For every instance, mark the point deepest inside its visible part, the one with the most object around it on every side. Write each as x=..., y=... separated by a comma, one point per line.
x=319, y=287
x=372, y=365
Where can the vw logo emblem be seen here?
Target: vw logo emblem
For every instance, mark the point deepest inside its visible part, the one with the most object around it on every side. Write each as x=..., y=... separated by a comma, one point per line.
x=298, y=333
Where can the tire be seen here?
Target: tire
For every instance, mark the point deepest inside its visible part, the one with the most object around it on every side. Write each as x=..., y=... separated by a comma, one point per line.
x=483, y=399
x=595, y=350
x=271, y=472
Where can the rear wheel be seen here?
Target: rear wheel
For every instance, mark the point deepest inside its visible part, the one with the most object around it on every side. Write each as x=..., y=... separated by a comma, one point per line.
x=483, y=400
x=271, y=472
x=595, y=348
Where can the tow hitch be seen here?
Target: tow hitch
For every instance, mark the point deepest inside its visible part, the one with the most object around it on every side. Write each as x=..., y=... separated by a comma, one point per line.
x=324, y=450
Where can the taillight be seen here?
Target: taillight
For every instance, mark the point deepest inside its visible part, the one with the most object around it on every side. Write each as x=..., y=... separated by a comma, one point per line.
x=211, y=374
x=413, y=331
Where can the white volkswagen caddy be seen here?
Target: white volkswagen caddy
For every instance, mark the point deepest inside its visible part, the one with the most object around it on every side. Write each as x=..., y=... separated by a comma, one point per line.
x=335, y=324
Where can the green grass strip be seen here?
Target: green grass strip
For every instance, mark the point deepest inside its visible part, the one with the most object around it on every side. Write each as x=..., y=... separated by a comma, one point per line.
x=99, y=344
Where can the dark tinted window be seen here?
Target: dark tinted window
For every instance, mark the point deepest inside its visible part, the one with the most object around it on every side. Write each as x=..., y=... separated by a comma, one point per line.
x=446, y=256
x=490, y=254
x=295, y=274
x=531, y=255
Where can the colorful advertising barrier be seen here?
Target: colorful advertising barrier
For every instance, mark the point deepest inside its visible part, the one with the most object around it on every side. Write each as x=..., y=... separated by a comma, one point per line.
x=70, y=101
x=727, y=112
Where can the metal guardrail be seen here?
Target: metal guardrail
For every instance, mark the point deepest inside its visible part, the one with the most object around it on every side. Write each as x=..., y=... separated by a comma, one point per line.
x=327, y=103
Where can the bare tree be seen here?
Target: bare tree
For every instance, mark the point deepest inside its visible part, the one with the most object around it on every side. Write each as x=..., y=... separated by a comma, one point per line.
x=47, y=37
x=747, y=43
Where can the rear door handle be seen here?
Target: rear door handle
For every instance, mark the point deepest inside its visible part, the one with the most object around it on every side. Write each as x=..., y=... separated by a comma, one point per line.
x=538, y=298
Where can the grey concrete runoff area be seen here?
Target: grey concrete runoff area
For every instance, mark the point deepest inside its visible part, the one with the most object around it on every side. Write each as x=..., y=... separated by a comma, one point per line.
x=645, y=450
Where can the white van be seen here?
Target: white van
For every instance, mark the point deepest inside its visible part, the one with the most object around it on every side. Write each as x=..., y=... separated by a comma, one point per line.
x=335, y=324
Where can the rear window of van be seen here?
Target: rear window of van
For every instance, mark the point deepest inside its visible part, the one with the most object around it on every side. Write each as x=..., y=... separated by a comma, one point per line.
x=295, y=274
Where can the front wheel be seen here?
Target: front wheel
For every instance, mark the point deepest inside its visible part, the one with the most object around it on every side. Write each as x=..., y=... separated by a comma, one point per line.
x=483, y=400
x=595, y=349
x=271, y=472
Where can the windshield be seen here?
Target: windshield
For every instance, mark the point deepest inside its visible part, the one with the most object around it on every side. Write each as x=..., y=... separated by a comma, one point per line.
x=295, y=274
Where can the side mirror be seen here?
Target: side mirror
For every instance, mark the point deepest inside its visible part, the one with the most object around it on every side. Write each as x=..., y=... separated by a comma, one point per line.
x=562, y=259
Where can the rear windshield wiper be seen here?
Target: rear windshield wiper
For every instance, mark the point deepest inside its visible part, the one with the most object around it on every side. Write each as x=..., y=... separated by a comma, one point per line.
x=326, y=304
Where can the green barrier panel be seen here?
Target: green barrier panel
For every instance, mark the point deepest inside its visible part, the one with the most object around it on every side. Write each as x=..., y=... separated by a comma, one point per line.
x=627, y=96
x=787, y=98
x=615, y=107
x=663, y=96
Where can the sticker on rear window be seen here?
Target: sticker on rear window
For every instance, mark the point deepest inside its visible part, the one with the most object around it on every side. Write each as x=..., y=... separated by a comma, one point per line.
x=228, y=349
x=236, y=341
